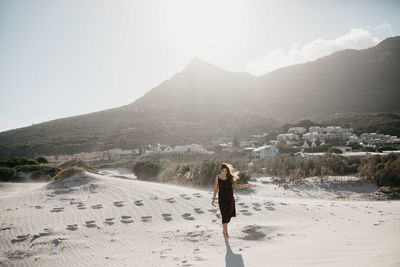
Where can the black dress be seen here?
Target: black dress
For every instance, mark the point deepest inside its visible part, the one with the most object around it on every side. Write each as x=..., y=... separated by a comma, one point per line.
x=226, y=201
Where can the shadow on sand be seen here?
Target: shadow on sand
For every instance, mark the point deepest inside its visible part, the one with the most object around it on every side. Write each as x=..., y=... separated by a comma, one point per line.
x=232, y=259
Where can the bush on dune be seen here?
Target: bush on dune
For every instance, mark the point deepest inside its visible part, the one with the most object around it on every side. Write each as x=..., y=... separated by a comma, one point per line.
x=11, y=168
x=147, y=169
x=385, y=170
x=297, y=167
x=45, y=173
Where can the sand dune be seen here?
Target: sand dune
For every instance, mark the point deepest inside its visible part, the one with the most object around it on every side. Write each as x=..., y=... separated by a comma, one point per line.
x=95, y=220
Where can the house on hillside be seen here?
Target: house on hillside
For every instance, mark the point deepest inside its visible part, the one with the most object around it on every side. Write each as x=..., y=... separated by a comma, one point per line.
x=268, y=151
x=297, y=130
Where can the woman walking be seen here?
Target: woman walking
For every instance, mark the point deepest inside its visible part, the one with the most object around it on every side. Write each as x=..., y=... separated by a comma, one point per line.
x=224, y=184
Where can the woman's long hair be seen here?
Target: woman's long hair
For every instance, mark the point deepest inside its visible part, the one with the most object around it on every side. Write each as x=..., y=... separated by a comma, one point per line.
x=232, y=173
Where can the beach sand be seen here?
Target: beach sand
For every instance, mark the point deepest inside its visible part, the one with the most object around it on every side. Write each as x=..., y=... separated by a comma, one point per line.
x=96, y=220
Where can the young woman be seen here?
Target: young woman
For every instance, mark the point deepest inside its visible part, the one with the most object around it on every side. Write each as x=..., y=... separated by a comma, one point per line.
x=224, y=183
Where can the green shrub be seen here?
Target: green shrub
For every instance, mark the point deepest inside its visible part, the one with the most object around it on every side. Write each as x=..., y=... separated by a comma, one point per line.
x=147, y=170
x=16, y=161
x=42, y=160
x=28, y=168
x=204, y=172
x=7, y=174
x=45, y=173
x=244, y=177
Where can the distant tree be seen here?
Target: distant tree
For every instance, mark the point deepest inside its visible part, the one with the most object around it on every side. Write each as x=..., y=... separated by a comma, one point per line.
x=42, y=160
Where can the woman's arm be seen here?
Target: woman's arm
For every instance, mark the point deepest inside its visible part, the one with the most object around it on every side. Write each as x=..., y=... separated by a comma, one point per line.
x=238, y=186
x=215, y=190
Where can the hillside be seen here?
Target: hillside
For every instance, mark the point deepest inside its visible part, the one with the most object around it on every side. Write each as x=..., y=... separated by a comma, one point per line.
x=204, y=102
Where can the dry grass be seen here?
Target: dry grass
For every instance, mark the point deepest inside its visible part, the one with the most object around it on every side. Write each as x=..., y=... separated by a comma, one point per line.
x=68, y=172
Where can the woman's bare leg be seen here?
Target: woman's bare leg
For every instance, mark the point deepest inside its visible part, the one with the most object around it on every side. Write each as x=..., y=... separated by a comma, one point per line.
x=225, y=227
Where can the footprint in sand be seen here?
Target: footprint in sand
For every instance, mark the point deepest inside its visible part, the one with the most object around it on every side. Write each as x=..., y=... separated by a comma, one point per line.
x=243, y=205
x=212, y=210
x=139, y=202
x=184, y=196
x=38, y=207
x=97, y=206
x=57, y=209
x=196, y=195
x=81, y=206
x=167, y=217
x=146, y=218
x=126, y=219
x=268, y=205
x=90, y=224
x=253, y=232
x=72, y=227
x=218, y=215
x=188, y=216
x=119, y=204
x=109, y=221
x=198, y=210
x=256, y=206
x=47, y=232
x=246, y=212
x=20, y=238
x=171, y=200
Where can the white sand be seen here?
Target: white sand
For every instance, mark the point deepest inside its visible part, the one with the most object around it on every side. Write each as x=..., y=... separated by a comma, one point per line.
x=110, y=221
x=118, y=172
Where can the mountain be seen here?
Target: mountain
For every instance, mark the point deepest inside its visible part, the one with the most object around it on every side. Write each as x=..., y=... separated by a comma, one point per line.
x=203, y=102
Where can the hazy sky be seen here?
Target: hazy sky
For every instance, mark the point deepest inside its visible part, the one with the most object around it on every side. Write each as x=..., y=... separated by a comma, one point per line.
x=72, y=57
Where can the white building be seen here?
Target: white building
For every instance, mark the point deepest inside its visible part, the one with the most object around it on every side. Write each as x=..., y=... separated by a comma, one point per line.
x=168, y=149
x=287, y=136
x=297, y=130
x=269, y=151
x=315, y=129
x=191, y=148
x=313, y=136
x=126, y=153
